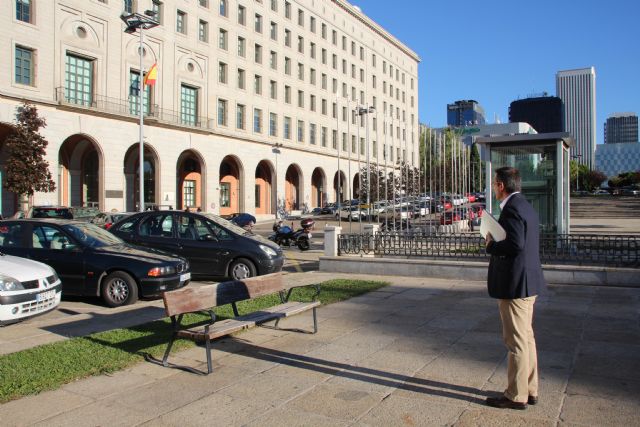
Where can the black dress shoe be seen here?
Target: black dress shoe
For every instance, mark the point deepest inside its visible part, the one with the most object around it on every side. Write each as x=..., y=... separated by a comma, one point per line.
x=502, y=403
x=532, y=400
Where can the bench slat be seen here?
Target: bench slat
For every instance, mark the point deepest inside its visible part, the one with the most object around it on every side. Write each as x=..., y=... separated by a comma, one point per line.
x=219, y=329
x=205, y=297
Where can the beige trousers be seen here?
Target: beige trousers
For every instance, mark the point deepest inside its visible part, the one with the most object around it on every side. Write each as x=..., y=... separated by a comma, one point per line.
x=517, y=333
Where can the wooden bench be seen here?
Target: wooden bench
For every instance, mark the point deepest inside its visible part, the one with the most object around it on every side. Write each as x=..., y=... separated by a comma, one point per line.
x=204, y=298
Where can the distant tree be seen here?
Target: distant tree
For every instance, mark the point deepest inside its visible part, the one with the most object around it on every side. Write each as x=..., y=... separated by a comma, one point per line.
x=27, y=170
x=593, y=179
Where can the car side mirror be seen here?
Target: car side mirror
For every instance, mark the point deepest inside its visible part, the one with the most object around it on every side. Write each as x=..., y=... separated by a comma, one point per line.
x=209, y=238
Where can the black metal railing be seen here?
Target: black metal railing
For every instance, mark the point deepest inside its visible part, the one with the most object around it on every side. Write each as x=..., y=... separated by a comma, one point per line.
x=129, y=108
x=583, y=249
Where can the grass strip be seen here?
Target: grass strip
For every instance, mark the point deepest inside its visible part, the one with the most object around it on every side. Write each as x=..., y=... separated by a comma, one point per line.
x=49, y=366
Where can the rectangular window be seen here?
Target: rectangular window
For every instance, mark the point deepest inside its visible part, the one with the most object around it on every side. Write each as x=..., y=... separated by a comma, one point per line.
x=287, y=10
x=312, y=102
x=189, y=192
x=257, y=84
x=158, y=9
x=242, y=47
x=203, y=3
x=222, y=112
x=300, y=44
x=287, y=94
x=334, y=139
x=287, y=38
x=273, y=124
x=188, y=105
x=222, y=72
x=241, y=79
x=257, y=196
x=225, y=194
x=242, y=15
x=257, y=120
x=323, y=136
x=300, y=131
x=203, y=31
x=181, y=22
x=258, y=23
x=300, y=99
x=78, y=80
x=240, y=116
x=224, y=11
x=324, y=81
x=274, y=31
x=312, y=133
x=344, y=142
x=287, y=128
x=273, y=89
x=374, y=148
x=24, y=66
x=222, y=39
x=312, y=24
x=287, y=66
x=134, y=94
x=128, y=5
x=273, y=60
x=300, y=71
x=334, y=37
x=312, y=48
x=312, y=76
x=323, y=55
x=274, y=5
x=301, y=17
x=258, y=54
x=324, y=30
x=324, y=106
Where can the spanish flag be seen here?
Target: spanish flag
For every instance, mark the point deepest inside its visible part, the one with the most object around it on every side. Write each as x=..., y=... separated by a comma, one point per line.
x=151, y=76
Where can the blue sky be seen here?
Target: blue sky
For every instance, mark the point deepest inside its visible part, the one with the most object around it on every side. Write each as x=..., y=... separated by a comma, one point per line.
x=496, y=51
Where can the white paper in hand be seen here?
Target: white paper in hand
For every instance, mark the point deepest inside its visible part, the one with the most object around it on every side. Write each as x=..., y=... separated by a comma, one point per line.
x=489, y=224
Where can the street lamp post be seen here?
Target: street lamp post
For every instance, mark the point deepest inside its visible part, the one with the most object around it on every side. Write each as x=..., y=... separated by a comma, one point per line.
x=276, y=150
x=362, y=111
x=134, y=22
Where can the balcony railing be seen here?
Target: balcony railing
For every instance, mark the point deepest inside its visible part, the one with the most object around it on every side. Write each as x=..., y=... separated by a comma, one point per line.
x=129, y=108
x=583, y=249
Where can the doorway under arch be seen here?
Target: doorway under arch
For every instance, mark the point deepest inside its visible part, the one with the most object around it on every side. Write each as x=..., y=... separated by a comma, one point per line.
x=318, y=188
x=231, y=199
x=191, y=181
x=293, y=192
x=151, y=178
x=80, y=182
x=264, y=195
x=341, y=187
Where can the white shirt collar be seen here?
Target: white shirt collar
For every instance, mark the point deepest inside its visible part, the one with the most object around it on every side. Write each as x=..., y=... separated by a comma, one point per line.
x=506, y=199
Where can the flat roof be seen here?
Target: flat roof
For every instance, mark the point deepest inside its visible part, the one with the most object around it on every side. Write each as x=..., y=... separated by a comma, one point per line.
x=526, y=138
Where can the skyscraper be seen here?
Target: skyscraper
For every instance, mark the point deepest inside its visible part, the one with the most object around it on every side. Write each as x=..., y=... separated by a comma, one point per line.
x=543, y=113
x=621, y=128
x=465, y=113
x=577, y=90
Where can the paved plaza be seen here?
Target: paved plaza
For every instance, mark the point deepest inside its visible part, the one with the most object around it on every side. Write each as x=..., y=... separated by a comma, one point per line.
x=418, y=352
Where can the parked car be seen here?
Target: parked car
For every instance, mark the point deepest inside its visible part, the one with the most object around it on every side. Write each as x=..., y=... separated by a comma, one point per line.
x=213, y=245
x=93, y=262
x=353, y=212
x=107, y=219
x=64, y=212
x=27, y=288
x=449, y=217
x=83, y=213
x=630, y=191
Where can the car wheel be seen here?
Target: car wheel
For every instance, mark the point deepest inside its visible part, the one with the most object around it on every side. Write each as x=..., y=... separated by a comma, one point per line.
x=242, y=269
x=118, y=289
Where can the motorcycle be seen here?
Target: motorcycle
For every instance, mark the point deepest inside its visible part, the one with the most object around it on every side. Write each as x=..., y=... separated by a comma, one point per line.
x=283, y=235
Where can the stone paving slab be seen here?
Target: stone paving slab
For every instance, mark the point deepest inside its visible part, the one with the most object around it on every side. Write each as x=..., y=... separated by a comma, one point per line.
x=418, y=352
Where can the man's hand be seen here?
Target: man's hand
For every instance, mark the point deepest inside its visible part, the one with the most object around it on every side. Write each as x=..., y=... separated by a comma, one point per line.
x=488, y=239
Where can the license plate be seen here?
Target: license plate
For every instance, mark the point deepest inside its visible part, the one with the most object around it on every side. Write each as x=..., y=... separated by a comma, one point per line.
x=45, y=295
x=185, y=276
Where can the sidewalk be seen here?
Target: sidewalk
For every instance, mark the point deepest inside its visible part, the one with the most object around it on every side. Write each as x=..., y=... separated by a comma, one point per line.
x=419, y=352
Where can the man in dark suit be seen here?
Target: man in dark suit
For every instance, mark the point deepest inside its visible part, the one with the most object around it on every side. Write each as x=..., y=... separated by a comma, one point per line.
x=515, y=279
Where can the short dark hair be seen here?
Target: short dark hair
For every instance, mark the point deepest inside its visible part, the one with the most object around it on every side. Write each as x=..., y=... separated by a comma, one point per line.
x=510, y=177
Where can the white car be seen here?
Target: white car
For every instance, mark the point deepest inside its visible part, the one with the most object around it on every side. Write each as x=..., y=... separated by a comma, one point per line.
x=27, y=288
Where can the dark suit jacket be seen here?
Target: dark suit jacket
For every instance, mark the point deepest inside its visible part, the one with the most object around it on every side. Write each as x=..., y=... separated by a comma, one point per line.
x=514, y=269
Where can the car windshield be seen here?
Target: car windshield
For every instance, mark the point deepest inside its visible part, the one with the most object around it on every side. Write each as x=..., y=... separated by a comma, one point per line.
x=226, y=224
x=91, y=235
x=52, y=213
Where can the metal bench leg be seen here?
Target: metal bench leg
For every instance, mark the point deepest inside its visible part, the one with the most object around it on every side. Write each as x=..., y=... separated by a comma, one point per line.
x=315, y=321
x=207, y=344
x=166, y=353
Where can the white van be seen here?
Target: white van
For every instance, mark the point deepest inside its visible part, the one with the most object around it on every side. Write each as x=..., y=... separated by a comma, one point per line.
x=27, y=288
